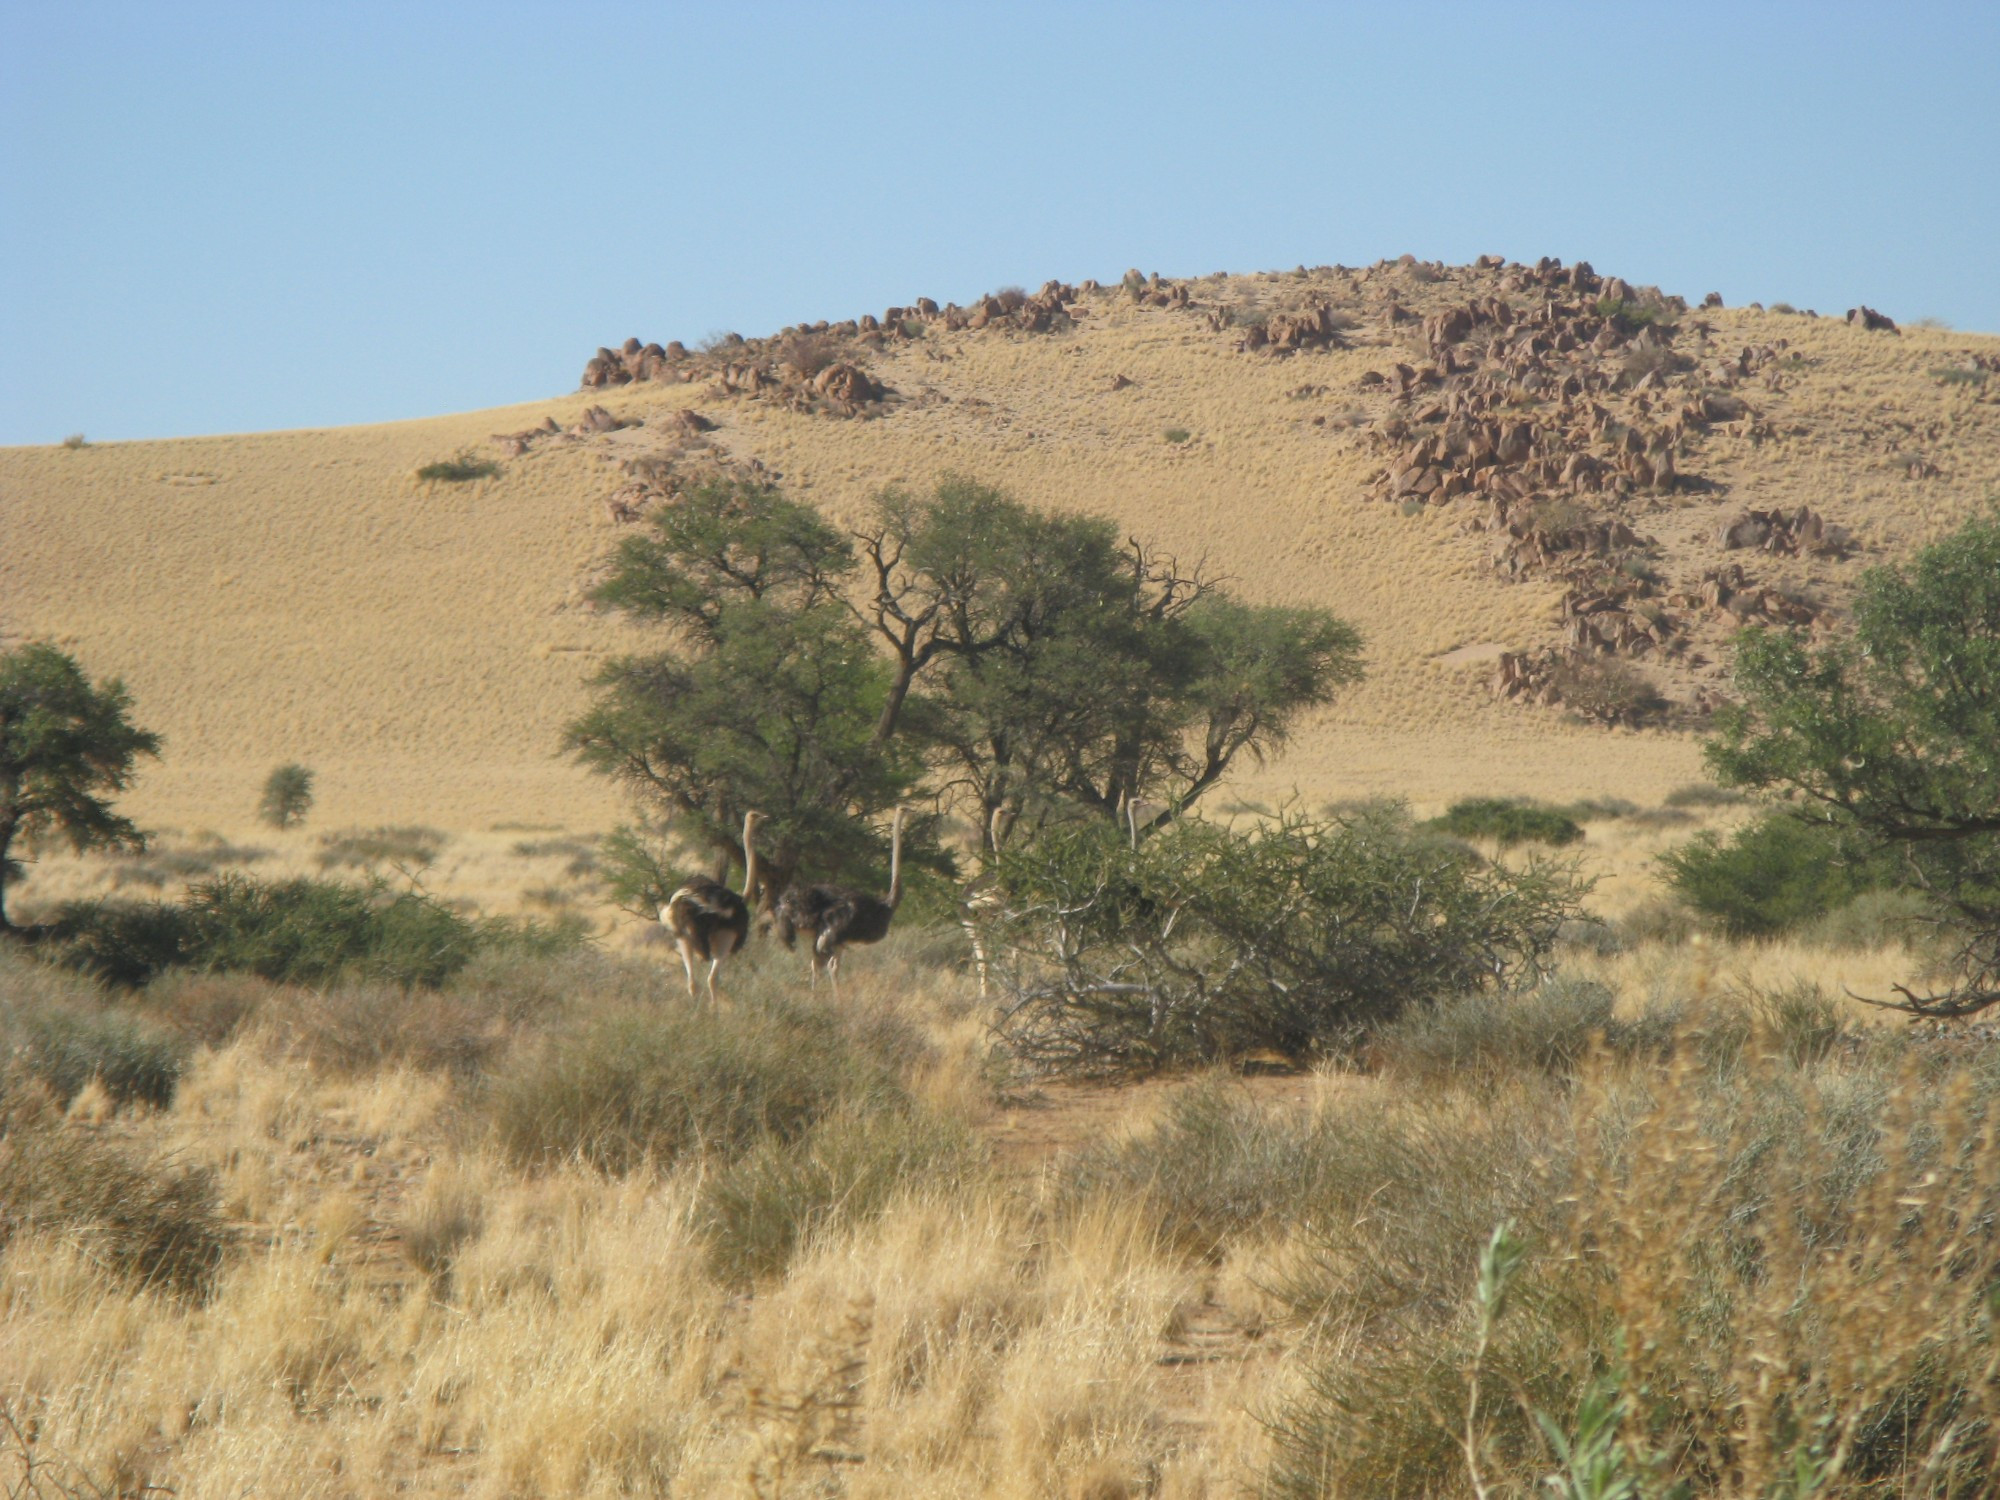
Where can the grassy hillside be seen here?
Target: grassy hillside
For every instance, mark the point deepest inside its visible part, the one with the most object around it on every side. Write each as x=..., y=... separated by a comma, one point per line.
x=302, y=596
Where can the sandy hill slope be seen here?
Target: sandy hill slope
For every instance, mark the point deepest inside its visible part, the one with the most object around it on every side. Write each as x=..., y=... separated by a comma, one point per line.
x=301, y=596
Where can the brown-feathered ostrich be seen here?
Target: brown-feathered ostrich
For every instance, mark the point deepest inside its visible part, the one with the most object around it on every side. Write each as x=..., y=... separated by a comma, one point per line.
x=833, y=916
x=709, y=921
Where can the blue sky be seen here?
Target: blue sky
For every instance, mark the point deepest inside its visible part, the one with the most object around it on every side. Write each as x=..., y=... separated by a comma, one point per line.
x=221, y=218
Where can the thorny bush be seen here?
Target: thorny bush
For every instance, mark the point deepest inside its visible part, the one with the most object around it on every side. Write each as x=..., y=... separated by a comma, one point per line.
x=1204, y=943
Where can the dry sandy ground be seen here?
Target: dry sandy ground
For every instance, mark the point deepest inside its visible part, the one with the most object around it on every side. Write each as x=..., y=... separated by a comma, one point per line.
x=299, y=596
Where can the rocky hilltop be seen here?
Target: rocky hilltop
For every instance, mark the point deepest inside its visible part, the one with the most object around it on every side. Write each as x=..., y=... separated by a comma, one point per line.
x=1546, y=497
x=1572, y=419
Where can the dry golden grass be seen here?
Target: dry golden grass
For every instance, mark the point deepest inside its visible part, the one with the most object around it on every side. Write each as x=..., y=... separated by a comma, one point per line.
x=300, y=596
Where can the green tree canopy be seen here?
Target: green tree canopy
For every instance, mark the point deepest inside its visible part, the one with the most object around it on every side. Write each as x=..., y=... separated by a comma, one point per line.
x=767, y=694
x=1058, y=667
x=1017, y=665
x=1892, y=730
x=65, y=742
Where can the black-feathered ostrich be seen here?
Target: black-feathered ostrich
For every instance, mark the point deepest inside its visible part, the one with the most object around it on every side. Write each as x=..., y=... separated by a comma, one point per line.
x=833, y=916
x=709, y=921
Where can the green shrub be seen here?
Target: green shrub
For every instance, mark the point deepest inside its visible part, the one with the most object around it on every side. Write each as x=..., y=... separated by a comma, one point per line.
x=311, y=931
x=298, y=931
x=133, y=1056
x=1771, y=875
x=122, y=943
x=1508, y=821
x=149, y=1220
x=1178, y=435
x=632, y=1087
x=462, y=466
x=766, y=1205
x=1960, y=375
x=1294, y=937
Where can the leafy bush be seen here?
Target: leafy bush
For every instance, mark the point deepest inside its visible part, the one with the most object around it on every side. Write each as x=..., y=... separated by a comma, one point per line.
x=132, y=1056
x=1178, y=434
x=766, y=1205
x=150, y=1220
x=123, y=943
x=631, y=1087
x=290, y=931
x=462, y=466
x=1204, y=943
x=1771, y=875
x=1960, y=375
x=310, y=931
x=1888, y=730
x=1508, y=821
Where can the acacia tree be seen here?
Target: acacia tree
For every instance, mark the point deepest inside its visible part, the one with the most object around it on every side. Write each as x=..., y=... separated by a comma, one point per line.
x=1891, y=733
x=64, y=742
x=1035, y=668
x=1054, y=667
x=766, y=695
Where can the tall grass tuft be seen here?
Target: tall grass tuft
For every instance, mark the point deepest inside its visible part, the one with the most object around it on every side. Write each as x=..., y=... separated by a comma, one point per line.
x=764, y=1207
x=1776, y=1278
x=632, y=1086
x=148, y=1220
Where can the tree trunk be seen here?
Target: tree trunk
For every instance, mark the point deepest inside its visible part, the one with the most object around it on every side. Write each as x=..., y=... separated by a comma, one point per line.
x=9, y=826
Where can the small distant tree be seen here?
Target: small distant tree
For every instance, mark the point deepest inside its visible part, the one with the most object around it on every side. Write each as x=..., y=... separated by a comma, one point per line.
x=1890, y=734
x=65, y=742
x=288, y=796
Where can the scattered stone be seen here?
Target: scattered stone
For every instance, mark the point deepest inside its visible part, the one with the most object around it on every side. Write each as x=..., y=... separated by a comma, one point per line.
x=1869, y=320
x=1786, y=533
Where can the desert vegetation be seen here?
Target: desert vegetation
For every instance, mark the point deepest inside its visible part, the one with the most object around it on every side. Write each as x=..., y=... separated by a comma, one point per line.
x=1167, y=1145
x=1296, y=1155
x=496, y=1235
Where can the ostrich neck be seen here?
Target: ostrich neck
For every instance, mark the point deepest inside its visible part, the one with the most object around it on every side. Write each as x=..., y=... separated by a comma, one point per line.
x=896, y=861
x=749, y=861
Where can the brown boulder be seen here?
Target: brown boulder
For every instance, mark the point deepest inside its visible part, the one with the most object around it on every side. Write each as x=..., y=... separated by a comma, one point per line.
x=845, y=382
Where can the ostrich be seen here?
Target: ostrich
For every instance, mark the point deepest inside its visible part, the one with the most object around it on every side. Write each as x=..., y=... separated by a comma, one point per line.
x=833, y=916
x=709, y=921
